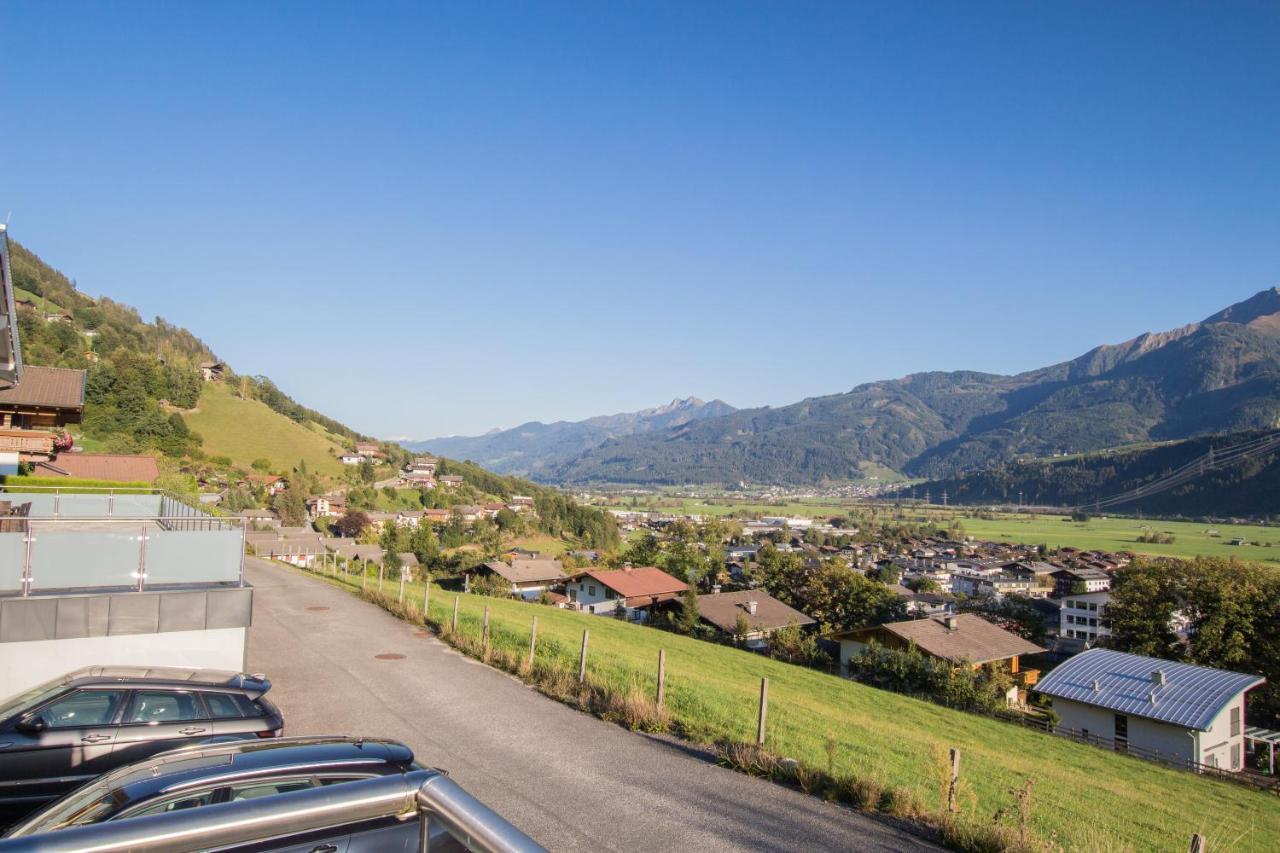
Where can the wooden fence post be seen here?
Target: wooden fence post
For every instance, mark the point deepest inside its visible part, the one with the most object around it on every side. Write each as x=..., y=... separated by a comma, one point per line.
x=426, y=595
x=582, y=661
x=364, y=575
x=381, y=567
x=662, y=676
x=533, y=640
x=955, y=780
x=454, y=628
x=402, y=587
x=764, y=710
x=1197, y=843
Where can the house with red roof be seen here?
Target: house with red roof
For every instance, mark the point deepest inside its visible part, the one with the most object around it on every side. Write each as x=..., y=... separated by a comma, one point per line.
x=632, y=590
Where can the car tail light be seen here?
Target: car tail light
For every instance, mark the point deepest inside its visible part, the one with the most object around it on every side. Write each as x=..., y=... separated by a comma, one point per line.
x=272, y=733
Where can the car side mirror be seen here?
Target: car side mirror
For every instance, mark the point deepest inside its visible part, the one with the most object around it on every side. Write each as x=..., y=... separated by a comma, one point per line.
x=32, y=725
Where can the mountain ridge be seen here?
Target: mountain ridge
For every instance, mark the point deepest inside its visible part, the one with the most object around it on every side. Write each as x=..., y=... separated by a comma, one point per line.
x=1221, y=374
x=533, y=446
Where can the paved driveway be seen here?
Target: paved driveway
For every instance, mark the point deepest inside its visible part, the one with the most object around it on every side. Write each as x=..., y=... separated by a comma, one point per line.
x=571, y=781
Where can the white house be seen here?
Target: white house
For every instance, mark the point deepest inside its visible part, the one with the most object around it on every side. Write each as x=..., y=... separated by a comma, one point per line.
x=1191, y=715
x=1081, y=617
x=350, y=459
x=633, y=590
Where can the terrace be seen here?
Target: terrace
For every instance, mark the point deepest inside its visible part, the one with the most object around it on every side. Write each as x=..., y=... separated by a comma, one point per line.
x=99, y=576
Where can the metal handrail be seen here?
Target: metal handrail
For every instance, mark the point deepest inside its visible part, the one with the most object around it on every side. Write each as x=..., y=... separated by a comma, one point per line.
x=429, y=794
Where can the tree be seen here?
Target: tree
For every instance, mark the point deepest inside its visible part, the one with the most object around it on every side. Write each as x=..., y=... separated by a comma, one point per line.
x=832, y=593
x=291, y=504
x=261, y=464
x=424, y=544
x=352, y=524
x=688, y=618
x=368, y=472
x=1144, y=598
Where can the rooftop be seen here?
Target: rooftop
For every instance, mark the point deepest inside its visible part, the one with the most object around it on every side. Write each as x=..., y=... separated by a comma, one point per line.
x=638, y=582
x=527, y=571
x=1190, y=696
x=973, y=638
x=722, y=609
x=119, y=468
x=47, y=387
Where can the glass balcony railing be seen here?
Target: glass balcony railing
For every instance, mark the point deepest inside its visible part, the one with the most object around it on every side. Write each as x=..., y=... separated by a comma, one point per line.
x=56, y=541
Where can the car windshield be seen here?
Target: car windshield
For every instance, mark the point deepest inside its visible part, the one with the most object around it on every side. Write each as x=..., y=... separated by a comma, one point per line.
x=31, y=696
x=88, y=804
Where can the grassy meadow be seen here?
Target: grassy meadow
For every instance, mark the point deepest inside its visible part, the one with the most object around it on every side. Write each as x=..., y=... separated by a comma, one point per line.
x=1191, y=539
x=245, y=430
x=1084, y=798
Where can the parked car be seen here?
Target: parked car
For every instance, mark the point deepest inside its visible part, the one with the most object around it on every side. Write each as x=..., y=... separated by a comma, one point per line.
x=199, y=776
x=59, y=735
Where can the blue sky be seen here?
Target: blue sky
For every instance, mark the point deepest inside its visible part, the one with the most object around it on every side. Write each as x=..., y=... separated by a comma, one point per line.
x=427, y=219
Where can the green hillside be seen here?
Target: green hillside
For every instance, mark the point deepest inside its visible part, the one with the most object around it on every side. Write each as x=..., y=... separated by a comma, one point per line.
x=1085, y=798
x=246, y=430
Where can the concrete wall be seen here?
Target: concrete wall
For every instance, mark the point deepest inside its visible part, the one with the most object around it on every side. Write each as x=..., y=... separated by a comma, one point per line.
x=24, y=665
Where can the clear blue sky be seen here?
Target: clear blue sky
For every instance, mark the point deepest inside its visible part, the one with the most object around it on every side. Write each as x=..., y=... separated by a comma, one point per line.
x=428, y=219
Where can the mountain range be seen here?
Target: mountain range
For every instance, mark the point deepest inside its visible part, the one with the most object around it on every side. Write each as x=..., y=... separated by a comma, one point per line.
x=1221, y=374
x=537, y=449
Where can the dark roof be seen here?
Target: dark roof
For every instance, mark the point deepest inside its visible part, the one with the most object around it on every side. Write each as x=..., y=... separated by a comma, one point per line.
x=973, y=639
x=722, y=609
x=47, y=387
x=527, y=571
x=1191, y=696
x=118, y=468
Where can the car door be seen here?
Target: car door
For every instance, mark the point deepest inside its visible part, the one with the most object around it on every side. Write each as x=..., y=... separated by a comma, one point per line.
x=65, y=742
x=158, y=719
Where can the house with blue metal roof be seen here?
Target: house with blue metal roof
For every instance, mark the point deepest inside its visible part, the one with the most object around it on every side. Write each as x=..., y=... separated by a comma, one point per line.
x=1178, y=712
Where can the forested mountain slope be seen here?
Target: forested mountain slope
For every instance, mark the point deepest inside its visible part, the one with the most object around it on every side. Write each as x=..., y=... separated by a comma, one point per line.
x=1219, y=375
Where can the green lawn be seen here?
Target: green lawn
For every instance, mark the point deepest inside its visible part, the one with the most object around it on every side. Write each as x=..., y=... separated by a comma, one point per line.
x=1121, y=534
x=246, y=430
x=1084, y=797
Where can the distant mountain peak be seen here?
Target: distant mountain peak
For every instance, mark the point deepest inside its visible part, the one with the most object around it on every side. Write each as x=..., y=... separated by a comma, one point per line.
x=1260, y=311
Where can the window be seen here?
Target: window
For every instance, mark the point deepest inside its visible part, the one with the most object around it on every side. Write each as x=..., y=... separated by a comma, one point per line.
x=163, y=706
x=1235, y=756
x=1122, y=733
x=253, y=790
x=228, y=706
x=83, y=708
x=186, y=800
x=591, y=590
x=1235, y=724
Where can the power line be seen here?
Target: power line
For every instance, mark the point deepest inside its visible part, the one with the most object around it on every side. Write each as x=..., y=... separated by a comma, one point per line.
x=1214, y=459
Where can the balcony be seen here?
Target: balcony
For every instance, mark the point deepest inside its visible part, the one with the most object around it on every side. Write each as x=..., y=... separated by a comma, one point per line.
x=54, y=541
x=117, y=577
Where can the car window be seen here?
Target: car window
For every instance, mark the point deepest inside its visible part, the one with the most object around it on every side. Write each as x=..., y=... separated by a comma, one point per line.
x=185, y=800
x=82, y=708
x=253, y=790
x=223, y=705
x=163, y=706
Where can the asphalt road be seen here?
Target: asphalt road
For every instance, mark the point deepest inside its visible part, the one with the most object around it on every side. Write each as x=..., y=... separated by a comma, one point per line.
x=569, y=780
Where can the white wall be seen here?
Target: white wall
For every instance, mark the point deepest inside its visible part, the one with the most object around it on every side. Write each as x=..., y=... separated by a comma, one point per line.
x=1174, y=742
x=24, y=665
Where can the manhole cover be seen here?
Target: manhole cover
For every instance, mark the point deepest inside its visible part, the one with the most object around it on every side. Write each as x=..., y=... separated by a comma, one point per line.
x=317, y=608
x=389, y=656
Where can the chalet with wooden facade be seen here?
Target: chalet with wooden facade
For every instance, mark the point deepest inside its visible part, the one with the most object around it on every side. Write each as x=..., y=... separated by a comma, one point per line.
x=34, y=412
